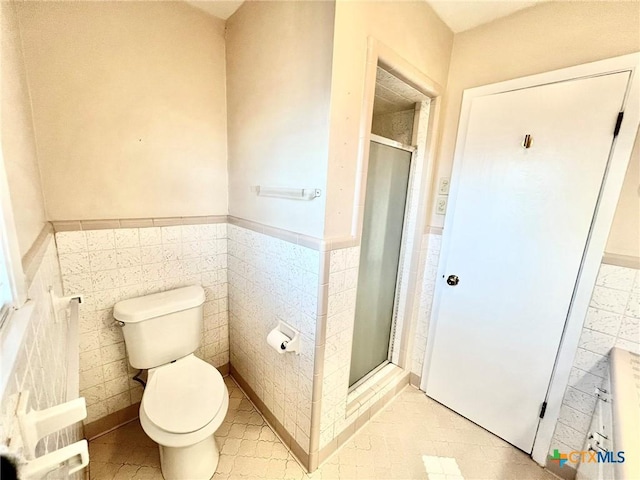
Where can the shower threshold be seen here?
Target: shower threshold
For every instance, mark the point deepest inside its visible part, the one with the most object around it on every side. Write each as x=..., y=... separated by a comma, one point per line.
x=368, y=376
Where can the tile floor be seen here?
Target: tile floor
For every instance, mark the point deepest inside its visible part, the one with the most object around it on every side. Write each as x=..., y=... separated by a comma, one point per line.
x=412, y=438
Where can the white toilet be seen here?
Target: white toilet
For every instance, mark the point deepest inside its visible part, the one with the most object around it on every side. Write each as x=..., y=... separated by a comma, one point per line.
x=185, y=399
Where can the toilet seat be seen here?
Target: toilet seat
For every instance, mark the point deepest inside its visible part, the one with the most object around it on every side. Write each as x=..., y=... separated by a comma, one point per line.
x=183, y=396
x=183, y=402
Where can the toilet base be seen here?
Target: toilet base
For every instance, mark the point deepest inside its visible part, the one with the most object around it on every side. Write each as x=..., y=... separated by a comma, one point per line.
x=195, y=462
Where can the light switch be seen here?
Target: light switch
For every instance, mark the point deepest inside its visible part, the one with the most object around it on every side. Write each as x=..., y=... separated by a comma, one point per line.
x=443, y=186
x=441, y=205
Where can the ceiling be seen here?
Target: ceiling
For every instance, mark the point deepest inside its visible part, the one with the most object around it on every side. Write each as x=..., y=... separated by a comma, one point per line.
x=461, y=15
x=393, y=95
x=219, y=8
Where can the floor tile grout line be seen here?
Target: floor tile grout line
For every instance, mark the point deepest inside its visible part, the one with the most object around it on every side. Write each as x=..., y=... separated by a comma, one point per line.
x=304, y=469
x=381, y=448
x=341, y=447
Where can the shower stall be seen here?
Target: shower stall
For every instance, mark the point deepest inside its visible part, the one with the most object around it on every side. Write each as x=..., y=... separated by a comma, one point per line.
x=384, y=212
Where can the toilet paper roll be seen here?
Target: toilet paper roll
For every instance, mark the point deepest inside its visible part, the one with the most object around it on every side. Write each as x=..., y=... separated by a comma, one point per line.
x=276, y=340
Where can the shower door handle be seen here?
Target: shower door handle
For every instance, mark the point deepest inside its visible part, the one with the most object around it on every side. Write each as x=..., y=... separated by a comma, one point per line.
x=452, y=280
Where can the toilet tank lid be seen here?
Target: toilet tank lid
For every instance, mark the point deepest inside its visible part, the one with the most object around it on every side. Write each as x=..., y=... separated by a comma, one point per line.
x=158, y=304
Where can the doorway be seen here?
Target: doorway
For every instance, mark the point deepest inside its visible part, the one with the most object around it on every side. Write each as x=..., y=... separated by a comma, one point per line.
x=386, y=196
x=397, y=111
x=524, y=194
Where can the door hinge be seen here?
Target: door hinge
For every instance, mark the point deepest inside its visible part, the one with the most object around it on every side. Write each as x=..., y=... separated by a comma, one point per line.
x=543, y=409
x=616, y=130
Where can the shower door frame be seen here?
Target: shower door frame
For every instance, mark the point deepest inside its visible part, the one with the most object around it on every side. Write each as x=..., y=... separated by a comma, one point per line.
x=401, y=256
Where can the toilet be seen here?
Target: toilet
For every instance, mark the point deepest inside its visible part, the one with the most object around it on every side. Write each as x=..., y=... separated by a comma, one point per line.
x=185, y=399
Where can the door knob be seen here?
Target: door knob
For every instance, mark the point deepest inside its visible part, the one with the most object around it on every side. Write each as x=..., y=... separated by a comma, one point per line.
x=452, y=280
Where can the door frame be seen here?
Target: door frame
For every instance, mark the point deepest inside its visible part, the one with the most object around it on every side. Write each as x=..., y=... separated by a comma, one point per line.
x=622, y=147
x=423, y=163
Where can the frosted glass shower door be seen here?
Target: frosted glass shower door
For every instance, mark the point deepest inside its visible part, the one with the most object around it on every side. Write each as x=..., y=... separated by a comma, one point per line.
x=386, y=194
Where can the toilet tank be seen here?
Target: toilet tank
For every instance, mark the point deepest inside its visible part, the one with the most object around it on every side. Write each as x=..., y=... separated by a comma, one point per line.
x=161, y=327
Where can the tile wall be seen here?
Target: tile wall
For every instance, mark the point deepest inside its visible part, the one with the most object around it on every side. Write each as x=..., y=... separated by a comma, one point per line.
x=408, y=275
x=397, y=126
x=110, y=265
x=341, y=308
x=42, y=364
x=612, y=320
x=429, y=256
x=269, y=280
x=341, y=411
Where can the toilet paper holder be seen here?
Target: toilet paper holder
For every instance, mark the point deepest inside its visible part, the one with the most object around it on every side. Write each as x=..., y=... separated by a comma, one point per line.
x=293, y=344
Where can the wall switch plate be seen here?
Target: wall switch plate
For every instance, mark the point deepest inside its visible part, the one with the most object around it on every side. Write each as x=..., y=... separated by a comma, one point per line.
x=443, y=186
x=441, y=205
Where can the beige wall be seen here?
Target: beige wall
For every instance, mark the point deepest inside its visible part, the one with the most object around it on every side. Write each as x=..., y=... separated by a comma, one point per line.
x=278, y=83
x=18, y=143
x=414, y=32
x=542, y=38
x=128, y=106
x=624, y=238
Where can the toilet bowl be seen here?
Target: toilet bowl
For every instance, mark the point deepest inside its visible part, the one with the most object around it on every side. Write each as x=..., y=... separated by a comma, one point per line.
x=183, y=405
x=185, y=399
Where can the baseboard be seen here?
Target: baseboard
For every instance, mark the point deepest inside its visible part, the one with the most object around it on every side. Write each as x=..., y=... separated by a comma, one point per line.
x=224, y=369
x=349, y=431
x=565, y=472
x=112, y=421
x=286, y=437
x=627, y=261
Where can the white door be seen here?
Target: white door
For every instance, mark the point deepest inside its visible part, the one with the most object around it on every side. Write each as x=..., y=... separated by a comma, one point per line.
x=519, y=225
